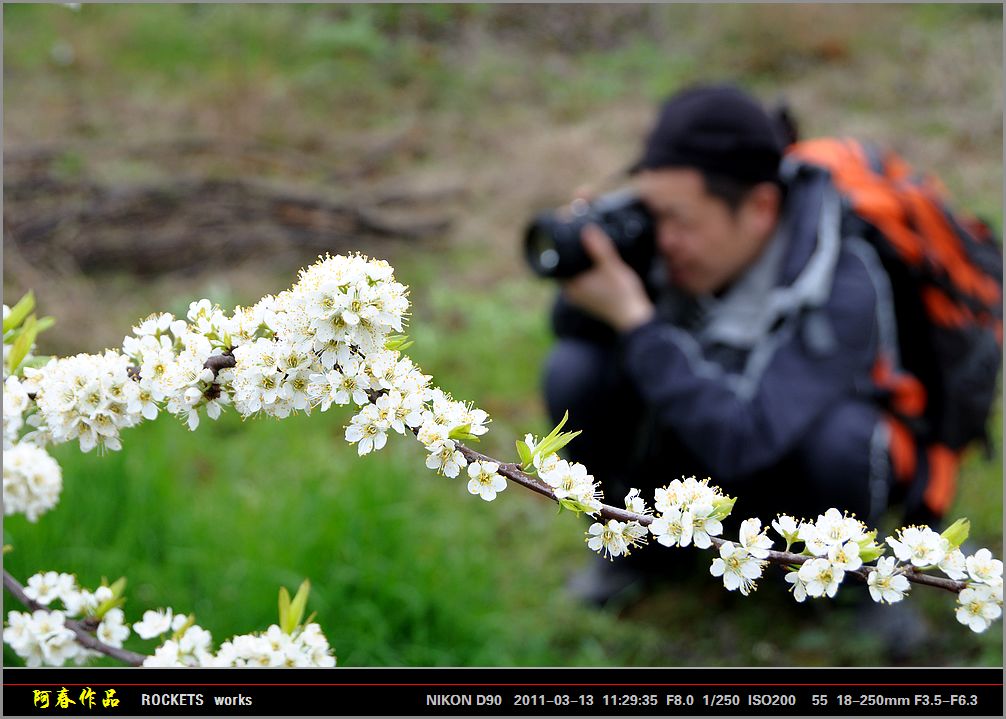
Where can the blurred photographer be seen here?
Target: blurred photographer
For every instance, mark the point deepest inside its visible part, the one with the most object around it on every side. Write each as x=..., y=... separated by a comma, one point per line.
x=743, y=349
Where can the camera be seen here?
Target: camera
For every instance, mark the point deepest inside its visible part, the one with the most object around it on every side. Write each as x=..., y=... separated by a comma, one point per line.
x=552, y=239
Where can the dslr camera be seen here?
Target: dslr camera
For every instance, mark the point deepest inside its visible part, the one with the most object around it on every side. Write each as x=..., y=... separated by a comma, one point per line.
x=552, y=239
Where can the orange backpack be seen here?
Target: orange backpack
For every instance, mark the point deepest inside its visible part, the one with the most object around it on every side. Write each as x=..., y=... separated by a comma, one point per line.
x=946, y=272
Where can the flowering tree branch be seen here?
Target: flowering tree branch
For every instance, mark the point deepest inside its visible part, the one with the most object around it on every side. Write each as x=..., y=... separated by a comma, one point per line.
x=329, y=340
x=513, y=472
x=82, y=629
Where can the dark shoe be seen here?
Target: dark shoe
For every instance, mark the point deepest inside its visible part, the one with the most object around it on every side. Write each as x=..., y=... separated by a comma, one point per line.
x=901, y=628
x=606, y=583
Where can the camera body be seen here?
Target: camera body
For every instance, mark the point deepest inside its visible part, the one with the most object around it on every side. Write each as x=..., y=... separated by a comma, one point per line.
x=552, y=244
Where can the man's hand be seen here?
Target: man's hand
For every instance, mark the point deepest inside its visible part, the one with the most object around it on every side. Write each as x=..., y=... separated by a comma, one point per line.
x=610, y=289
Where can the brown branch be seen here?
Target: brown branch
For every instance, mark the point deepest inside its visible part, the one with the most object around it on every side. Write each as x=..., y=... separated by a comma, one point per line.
x=81, y=629
x=221, y=361
x=514, y=473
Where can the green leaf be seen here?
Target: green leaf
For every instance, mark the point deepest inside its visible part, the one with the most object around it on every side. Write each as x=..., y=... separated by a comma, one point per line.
x=397, y=342
x=36, y=362
x=957, y=532
x=298, y=605
x=8, y=548
x=44, y=324
x=723, y=506
x=117, y=600
x=462, y=432
x=551, y=445
x=105, y=606
x=184, y=628
x=118, y=587
x=871, y=552
x=555, y=432
x=573, y=505
x=22, y=345
x=524, y=453
x=19, y=311
x=284, y=609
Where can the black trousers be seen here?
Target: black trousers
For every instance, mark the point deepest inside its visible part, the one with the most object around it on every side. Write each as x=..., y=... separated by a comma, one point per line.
x=834, y=465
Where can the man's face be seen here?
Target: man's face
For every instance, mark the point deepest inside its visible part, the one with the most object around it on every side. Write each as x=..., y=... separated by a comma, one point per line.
x=704, y=245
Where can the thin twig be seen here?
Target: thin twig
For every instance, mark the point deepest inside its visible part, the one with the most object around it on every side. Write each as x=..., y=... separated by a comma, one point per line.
x=84, y=637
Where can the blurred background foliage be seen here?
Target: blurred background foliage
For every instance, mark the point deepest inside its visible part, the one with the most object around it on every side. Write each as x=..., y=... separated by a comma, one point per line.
x=156, y=154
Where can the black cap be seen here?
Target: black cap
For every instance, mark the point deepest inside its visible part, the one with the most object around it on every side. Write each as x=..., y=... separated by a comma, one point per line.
x=718, y=129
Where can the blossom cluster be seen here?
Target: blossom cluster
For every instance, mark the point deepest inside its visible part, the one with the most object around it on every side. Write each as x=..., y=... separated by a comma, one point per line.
x=615, y=538
x=32, y=481
x=689, y=511
x=840, y=543
x=980, y=602
x=90, y=398
x=15, y=404
x=43, y=638
x=573, y=487
x=326, y=341
x=835, y=541
x=570, y=481
x=191, y=646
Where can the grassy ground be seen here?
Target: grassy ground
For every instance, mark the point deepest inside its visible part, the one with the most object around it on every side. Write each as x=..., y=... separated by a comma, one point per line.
x=515, y=107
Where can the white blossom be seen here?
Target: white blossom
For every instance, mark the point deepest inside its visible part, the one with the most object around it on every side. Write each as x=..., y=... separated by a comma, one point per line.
x=567, y=479
x=921, y=546
x=165, y=655
x=704, y=525
x=15, y=403
x=886, y=584
x=47, y=587
x=786, y=526
x=984, y=568
x=633, y=535
x=978, y=605
x=607, y=539
x=738, y=568
x=112, y=630
x=845, y=556
x=673, y=527
x=32, y=481
x=485, y=480
x=635, y=503
x=154, y=623
x=753, y=539
x=820, y=577
x=368, y=430
x=685, y=492
x=799, y=587
x=445, y=458
x=954, y=565
x=830, y=529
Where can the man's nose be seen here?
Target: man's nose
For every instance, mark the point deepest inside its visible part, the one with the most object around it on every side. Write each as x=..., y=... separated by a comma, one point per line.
x=668, y=239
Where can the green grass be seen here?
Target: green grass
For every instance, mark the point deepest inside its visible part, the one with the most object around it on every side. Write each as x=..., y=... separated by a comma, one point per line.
x=341, y=61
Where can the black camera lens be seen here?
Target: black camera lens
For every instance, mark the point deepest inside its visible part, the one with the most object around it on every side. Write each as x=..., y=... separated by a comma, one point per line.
x=541, y=251
x=552, y=246
x=552, y=242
